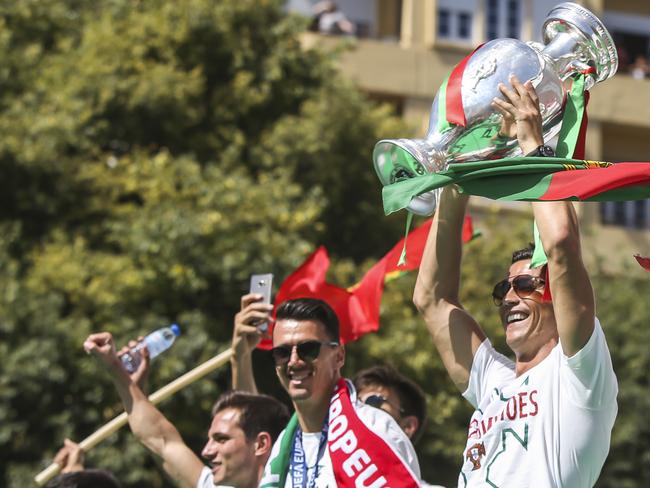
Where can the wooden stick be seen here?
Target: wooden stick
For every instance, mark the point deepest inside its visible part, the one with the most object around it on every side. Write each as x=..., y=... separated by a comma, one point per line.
x=118, y=422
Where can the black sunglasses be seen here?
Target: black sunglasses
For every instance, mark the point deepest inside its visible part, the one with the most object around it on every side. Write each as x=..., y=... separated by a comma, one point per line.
x=307, y=351
x=524, y=285
x=377, y=401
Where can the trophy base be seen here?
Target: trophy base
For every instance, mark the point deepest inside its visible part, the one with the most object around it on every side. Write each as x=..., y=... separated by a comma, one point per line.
x=400, y=159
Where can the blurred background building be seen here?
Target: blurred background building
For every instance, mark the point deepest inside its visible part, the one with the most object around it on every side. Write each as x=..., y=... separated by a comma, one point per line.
x=405, y=48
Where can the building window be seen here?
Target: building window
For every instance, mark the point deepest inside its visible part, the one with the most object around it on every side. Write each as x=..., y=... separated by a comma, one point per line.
x=633, y=215
x=641, y=214
x=465, y=25
x=513, y=19
x=444, y=28
x=492, y=19
x=503, y=19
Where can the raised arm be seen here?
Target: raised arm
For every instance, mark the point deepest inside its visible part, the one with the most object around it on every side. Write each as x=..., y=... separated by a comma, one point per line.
x=70, y=457
x=245, y=337
x=455, y=333
x=148, y=424
x=571, y=291
x=572, y=294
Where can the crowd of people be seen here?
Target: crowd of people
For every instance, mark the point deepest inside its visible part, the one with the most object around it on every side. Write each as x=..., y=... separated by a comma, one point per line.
x=544, y=419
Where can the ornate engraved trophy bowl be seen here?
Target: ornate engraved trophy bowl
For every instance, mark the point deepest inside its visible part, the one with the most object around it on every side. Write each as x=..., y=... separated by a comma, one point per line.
x=575, y=41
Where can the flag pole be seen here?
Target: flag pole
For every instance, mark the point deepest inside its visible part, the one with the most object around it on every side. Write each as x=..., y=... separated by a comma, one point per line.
x=162, y=394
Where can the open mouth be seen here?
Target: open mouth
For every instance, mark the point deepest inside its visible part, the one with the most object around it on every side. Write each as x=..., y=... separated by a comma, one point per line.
x=299, y=376
x=513, y=317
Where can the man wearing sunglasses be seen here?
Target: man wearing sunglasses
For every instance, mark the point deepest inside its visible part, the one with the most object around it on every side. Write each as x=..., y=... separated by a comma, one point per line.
x=333, y=438
x=544, y=419
x=384, y=387
x=380, y=386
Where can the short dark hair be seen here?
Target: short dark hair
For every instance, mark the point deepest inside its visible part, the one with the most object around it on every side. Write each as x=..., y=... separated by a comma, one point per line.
x=88, y=478
x=311, y=309
x=411, y=396
x=525, y=253
x=257, y=413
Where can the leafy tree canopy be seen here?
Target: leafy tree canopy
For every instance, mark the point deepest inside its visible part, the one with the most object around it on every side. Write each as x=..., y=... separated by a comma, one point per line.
x=154, y=155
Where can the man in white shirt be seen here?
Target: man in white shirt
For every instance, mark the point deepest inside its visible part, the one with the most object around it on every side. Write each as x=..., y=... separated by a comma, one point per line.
x=546, y=418
x=333, y=439
x=243, y=428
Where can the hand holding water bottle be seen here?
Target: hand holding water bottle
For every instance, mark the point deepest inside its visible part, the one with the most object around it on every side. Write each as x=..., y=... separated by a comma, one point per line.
x=140, y=375
x=155, y=343
x=134, y=359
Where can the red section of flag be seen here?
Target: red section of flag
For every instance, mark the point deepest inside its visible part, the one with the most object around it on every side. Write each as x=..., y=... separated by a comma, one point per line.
x=308, y=281
x=546, y=296
x=454, y=97
x=455, y=111
x=468, y=229
x=358, y=307
x=644, y=262
x=586, y=184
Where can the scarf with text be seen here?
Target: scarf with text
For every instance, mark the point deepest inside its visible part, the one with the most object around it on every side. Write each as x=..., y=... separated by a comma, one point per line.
x=359, y=456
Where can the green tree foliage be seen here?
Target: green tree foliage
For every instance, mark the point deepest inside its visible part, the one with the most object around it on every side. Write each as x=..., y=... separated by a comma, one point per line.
x=155, y=154
x=622, y=308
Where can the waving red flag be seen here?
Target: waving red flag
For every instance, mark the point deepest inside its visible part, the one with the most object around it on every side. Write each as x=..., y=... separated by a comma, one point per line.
x=644, y=262
x=356, y=307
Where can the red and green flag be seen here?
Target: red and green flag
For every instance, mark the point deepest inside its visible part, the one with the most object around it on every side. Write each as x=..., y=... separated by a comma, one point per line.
x=358, y=306
x=531, y=179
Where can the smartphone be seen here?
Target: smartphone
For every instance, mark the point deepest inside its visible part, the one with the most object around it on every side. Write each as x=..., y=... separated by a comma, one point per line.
x=261, y=284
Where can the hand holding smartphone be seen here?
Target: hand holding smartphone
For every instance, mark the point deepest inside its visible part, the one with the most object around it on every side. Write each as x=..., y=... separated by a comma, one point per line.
x=261, y=284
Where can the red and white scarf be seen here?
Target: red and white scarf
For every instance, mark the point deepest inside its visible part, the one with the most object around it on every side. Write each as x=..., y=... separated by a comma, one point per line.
x=359, y=456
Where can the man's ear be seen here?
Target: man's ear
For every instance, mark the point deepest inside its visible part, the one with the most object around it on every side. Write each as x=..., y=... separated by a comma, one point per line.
x=340, y=356
x=263, y=444
x=409, y=425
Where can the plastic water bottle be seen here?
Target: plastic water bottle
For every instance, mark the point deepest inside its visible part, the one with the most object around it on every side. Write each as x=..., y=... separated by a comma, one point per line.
x=158, y=341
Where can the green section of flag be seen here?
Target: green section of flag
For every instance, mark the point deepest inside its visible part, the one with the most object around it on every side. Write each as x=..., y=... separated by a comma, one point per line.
x=539, y=256
x=574, y=110
x=525, y=187
x=530, y=172
x=525, y=178
x=441, y=117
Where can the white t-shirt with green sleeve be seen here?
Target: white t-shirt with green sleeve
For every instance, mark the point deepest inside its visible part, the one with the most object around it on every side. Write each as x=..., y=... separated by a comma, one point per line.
x=549, y=427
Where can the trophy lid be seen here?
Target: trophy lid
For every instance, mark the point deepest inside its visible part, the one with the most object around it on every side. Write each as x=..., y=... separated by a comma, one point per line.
x=569, y=17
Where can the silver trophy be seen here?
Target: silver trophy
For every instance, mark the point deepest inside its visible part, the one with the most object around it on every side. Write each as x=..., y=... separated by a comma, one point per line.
x=575, y=40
